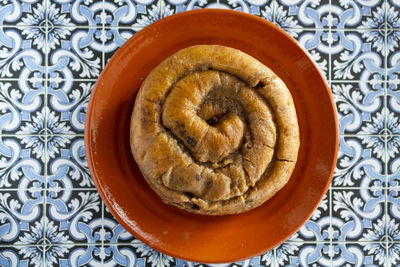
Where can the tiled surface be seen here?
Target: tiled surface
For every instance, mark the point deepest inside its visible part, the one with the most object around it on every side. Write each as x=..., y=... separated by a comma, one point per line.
x=51, y=53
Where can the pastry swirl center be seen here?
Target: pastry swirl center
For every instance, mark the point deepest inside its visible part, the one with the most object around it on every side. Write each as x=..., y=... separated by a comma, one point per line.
x=220, y=120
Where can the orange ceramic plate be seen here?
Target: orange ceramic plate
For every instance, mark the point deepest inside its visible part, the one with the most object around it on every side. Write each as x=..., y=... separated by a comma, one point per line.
x=196, y=237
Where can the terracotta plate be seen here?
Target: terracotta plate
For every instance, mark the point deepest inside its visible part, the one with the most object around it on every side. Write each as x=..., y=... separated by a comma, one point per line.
x=195, y=237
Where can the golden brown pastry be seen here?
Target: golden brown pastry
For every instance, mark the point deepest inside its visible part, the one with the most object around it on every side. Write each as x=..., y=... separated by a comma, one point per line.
x=214, y=131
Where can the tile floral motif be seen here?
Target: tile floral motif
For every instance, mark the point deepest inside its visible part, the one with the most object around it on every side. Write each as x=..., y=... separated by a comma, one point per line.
x=67, y=167
x=21, y=166
x=355, y=56
x=305, y=14
x=40, y=232
x=356, y=213
x=303, y=254
x=23, y=53
x=360, y=107
x=255, y=7
x=393, y=226
x=76, y=54
x=359, y=254
x=170, y=7
x=21, y=217
x=385, y=242
x=361, y=162
x=393, y=62
x=127, y=13
x=19, y=100
x=357, y=14
x=74, y=255
x=12, y=12
x=11, y=256
x=128, y=255
x=280, y=16
x=77, y=213
x=67, y=101
x=75, y=13
x=393, y=134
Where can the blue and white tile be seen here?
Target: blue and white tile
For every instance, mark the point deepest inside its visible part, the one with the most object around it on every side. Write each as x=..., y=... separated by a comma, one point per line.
x=393, y=59
x=318, y=227
x=22, y=12
x=23, y=50
x=317, y=43
x=357, y=213
x=395, y=3
x=127, y=13
x=135, y=254
x=74, y=216
x=114, y=39
x=392, y=14
x=145, y=256
x=21, y=221
x=21, y=256
x=359, y=106
x=393, y=134
x=75, y=53
x=170, y=7
x=303, y=254
x=304, y=14
x=74, y=255
x=357, y=55
x=262, y=8
x=359, y=254
x=22, y=163
x=67, y=101
x=361, y=162
x=67, y=166
x=393, y=226
x=75, y=13
x=358, y=14
x=392, y=238
x=114, y=232
x=21, y=103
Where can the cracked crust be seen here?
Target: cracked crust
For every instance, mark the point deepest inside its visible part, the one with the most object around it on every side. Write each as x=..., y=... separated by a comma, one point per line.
x=214, y=131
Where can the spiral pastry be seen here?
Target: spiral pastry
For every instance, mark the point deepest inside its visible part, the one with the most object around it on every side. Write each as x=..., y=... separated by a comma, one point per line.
x=214, y=131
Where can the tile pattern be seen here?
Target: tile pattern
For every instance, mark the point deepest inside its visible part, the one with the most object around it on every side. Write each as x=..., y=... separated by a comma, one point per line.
x=51, y=53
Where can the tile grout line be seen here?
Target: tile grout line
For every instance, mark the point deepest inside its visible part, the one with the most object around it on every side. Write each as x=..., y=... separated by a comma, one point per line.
x=386, y=206
x=386, y=212
x=46, y=73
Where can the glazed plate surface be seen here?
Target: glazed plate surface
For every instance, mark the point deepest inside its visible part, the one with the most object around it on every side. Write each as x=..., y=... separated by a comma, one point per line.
x=196, y=237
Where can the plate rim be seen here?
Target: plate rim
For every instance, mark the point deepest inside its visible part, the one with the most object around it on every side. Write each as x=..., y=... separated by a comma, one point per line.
x=95, y=90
